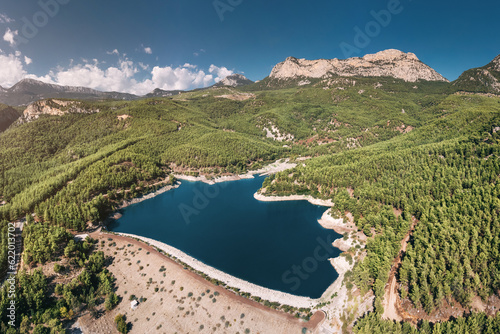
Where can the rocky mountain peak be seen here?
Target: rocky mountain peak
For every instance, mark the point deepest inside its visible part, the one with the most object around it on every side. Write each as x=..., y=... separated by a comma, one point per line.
x=234, y=80
x=393, y=63
x=390, y=55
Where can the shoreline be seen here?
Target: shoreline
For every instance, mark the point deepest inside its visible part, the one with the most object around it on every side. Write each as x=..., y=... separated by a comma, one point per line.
x=272, y=168
x=116, y=213
x=234, y=282
x=309, y=198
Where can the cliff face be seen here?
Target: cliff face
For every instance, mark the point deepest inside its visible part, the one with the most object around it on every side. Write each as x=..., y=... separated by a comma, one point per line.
x=392, y=63
x=53, y=107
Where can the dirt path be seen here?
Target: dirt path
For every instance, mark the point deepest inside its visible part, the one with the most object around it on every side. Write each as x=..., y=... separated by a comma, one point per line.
x=392, y=303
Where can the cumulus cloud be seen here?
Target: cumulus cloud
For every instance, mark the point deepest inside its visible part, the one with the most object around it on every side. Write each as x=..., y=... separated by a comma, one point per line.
x=10, y=35
x=220, y=72
x=11, y=70
x=122, y=77
x=5, y=19
x=148, y=50
x=119, y=78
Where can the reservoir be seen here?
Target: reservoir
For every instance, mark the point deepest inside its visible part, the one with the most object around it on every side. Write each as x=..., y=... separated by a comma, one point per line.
x=277, y=245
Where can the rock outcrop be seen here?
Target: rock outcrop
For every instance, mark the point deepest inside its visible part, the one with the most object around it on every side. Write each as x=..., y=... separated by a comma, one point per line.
x=390, y=63
x=53, y=107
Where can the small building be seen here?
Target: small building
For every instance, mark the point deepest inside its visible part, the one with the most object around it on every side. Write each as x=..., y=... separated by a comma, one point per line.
x=133, y=304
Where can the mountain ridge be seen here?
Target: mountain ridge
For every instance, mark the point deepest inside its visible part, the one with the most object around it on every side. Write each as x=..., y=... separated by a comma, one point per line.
x=391, y=63
x=234, y=80
x=29, y=90
x=485, y=79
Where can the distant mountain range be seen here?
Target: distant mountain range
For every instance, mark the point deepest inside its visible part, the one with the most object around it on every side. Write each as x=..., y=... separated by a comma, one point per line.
x=28, y=91
x=388, y=63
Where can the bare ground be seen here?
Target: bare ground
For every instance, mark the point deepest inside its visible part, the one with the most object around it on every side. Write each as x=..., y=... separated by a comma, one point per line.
x=391, y=296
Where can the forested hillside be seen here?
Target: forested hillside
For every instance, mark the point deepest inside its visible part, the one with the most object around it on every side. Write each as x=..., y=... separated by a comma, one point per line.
x=391, y=153
x=443, y=175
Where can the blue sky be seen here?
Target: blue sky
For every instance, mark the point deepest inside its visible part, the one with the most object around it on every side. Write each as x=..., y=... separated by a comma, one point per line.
x=136, y=46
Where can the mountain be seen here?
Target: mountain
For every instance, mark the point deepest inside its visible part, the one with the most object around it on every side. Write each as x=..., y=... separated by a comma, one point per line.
x=27, y=91
x=234, y=80
x=8, y=115
x=163, y=93
x=484, y=79
x=388, y=63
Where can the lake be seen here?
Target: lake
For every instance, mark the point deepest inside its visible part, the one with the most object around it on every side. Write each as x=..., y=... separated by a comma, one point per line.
x=277, y=245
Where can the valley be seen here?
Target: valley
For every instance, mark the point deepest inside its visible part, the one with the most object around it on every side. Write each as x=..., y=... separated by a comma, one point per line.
x=407, y=162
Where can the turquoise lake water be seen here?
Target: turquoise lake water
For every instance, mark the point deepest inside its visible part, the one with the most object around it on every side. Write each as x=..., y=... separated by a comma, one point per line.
x=277, y=245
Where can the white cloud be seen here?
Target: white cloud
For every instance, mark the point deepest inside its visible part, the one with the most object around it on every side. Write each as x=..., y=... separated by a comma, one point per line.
x=90, y=75
x=143, y=66
x=148, y=50
x=11, y=70
x=5, y=19
x=9, y=36
x=197, y=53
x=221, y=72
x=122, y=77
x=114, y=52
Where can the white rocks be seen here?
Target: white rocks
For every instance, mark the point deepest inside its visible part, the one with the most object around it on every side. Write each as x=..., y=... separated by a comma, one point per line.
x=275, y=133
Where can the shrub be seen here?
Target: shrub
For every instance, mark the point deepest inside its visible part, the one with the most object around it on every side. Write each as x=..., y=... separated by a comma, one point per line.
x=58, y=268
x=121, y=324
